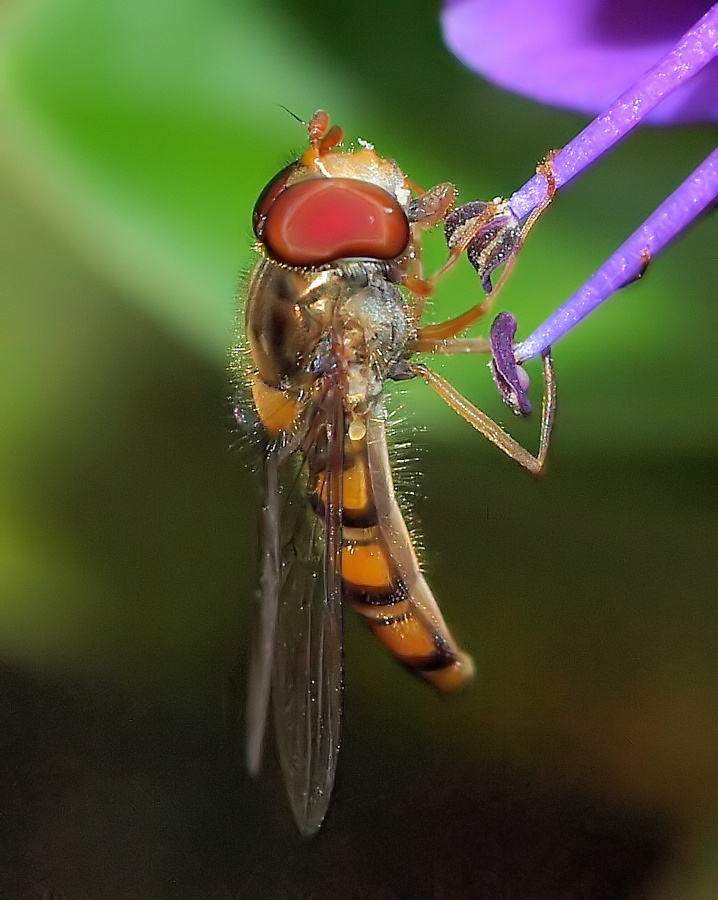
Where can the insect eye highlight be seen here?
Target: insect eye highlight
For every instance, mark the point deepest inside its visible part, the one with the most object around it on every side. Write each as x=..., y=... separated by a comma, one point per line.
x=269, y=194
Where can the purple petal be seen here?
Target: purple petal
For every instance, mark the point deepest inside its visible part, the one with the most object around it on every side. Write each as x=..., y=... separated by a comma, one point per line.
x=511, y=381
x=694, y=51
x=580, y=54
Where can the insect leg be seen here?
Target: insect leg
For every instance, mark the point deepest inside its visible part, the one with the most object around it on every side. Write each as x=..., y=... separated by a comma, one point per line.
x=491, y=236
x=456, y=345
x=425, y=211
x=490, y=429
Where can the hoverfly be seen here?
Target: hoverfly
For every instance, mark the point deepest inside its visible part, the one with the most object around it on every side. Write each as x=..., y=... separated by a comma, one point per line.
x=333, y=310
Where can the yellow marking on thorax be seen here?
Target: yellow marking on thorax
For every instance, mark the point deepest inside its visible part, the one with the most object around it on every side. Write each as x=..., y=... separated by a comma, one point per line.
x=275, y=408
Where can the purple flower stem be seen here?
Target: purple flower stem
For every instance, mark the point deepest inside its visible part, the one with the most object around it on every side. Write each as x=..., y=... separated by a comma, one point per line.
x=696, y=48
x=698, y=192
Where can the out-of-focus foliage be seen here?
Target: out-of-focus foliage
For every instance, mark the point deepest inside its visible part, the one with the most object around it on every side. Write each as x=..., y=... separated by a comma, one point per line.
x=144, y=132
x=135, y=137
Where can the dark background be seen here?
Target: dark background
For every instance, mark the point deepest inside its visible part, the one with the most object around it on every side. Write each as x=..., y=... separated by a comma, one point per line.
x=135, y=138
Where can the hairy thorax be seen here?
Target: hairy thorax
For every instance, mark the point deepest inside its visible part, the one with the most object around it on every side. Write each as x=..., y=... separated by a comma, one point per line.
x=350, y=324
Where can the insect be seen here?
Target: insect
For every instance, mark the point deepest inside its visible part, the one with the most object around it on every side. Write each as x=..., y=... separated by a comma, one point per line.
x=333, y=311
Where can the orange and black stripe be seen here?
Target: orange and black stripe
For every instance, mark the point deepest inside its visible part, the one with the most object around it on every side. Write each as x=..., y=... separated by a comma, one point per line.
x=373, y=585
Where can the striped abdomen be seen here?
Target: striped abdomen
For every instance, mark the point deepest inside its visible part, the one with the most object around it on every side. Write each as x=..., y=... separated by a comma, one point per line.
x=385, y=586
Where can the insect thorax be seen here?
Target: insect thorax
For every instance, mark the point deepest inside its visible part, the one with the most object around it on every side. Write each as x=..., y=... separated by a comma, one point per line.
x=350, y=323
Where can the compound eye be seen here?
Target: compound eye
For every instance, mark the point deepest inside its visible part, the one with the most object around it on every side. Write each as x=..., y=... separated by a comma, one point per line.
x=318, y=221
x=269, y=195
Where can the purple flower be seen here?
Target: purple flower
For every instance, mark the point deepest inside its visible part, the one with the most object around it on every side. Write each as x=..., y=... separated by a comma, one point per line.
x=698, y=192
x=579, y=54
x=572, y=52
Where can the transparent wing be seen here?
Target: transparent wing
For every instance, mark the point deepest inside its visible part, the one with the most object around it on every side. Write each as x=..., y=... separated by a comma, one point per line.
x=262, y=654
x=307, y=672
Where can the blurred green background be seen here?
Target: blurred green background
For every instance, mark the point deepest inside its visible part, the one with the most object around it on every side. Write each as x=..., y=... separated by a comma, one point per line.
x=135, y=136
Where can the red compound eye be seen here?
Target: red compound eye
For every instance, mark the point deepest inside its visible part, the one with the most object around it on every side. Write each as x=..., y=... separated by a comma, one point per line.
x=324, y=219
x=268, y=196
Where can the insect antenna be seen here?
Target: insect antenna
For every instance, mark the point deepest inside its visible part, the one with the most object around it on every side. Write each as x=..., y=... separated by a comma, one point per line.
x=292, y=114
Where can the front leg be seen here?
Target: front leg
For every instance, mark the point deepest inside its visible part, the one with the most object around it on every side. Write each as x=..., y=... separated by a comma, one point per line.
x=491, y=236
x=423, y=212
x=436, y=205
